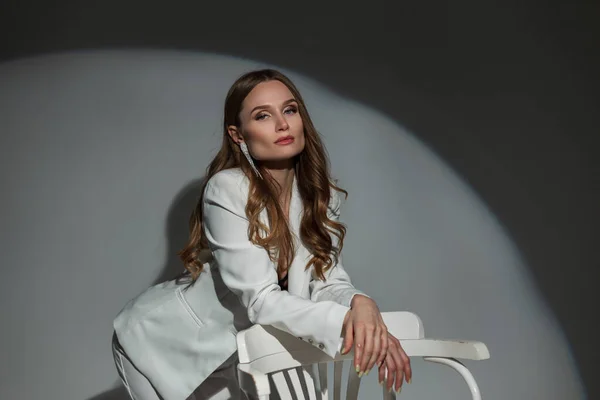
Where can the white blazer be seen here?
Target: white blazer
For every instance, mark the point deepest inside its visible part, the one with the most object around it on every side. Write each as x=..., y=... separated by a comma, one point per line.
x=177, y=337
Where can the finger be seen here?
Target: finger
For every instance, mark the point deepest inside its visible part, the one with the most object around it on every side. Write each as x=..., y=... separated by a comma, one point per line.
x=383, y=342
x=376, y=350
x=407, y=366
x=408, y=370
x=405, y=360
x=348, y=338
x=390, y=372
x=382, y=372
x=368, y=349
x=394, y=352
x=359, y=343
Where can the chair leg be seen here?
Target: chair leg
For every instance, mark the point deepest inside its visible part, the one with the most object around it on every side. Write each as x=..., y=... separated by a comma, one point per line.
x=387, y=395
x=462, y=370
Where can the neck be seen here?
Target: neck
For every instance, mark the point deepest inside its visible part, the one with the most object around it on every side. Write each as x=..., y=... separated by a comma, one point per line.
x=283, y=173
x=284, y=177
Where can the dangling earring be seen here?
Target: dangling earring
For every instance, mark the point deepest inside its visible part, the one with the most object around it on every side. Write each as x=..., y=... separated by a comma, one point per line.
x=244, y=149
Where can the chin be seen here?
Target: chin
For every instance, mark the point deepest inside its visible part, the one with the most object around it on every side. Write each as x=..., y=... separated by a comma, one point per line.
x=284, y=152
x=281, y=157
x=291, y=153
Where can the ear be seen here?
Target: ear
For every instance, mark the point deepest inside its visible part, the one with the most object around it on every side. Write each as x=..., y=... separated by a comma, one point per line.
x=235, y=134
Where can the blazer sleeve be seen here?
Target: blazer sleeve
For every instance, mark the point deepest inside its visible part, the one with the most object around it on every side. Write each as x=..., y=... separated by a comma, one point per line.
x=337, y=285
x=247, y=270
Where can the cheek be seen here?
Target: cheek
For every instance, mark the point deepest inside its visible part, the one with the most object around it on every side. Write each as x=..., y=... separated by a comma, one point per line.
x=256, y=134
x=301, y=143
x=259, y=142
x=298, y=124
x=297, y=127
x=301, y=133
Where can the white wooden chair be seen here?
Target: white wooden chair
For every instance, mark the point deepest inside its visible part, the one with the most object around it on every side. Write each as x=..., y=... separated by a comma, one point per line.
x=266, y=353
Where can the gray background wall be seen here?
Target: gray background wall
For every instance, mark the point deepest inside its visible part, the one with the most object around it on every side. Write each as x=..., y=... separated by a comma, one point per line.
x=478, y=120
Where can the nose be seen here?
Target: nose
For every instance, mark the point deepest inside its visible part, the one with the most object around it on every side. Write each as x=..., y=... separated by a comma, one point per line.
x=282, y=124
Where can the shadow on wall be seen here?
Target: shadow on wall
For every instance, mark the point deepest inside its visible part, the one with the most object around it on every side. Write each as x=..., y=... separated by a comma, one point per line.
x=176, y=235
x=177, y=229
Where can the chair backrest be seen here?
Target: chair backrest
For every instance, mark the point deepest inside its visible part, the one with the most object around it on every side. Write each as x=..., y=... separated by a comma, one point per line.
x=296, y=366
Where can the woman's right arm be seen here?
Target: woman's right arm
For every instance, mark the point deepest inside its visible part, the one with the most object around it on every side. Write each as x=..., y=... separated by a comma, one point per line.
x=247, y=270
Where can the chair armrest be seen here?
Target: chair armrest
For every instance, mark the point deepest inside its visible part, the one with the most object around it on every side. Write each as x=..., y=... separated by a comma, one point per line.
x=253, y=381
x=465, y=349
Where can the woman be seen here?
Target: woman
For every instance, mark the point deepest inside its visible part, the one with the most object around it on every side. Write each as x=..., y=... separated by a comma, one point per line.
x=265, y=248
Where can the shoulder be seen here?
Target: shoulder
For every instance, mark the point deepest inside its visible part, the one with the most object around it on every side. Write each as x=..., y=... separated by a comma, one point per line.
x=227, y=177
x=229, y=186
x=228, y=180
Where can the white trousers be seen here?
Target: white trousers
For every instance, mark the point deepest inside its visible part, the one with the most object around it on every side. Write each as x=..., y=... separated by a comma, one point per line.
x=222, y=384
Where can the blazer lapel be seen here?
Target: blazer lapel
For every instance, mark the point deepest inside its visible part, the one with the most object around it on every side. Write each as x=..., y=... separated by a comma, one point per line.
x=297, y=278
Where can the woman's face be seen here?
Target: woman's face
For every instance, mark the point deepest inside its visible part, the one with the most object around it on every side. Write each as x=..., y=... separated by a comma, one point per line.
x=271, y=124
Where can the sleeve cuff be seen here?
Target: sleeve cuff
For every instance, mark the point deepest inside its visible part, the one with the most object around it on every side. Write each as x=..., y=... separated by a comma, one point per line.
x=332, y=344
x=348, y=298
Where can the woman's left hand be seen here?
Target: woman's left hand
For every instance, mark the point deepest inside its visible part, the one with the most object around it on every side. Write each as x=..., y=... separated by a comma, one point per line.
x=396, y=367
x=364, y=328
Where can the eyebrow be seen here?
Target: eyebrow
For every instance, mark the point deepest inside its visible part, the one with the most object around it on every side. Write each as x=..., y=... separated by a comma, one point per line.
x=267, y=106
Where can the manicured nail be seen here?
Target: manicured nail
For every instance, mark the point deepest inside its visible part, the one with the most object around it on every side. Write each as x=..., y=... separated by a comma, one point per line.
x=367, y=373
x=409, y=380
x=360, y=374
x=399, y=390
x=391, y=389
x=357, y=368
x=381, y=383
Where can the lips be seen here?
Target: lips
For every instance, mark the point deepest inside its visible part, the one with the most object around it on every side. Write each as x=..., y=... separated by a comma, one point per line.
x=285, y=139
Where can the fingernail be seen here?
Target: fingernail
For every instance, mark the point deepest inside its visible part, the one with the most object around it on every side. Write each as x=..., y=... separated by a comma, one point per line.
x=391, y=389
x=360, y=374
x=367, y=373
x=357, y=368
x=399, y=390
x=409, y=380
x=381, y=383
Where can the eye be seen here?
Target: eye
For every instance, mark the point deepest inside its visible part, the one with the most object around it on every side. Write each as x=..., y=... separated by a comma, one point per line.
x=261, y=116
x=291, y=110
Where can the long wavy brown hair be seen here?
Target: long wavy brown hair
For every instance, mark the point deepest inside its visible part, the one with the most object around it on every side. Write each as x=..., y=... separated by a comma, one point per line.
x=314, y=184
